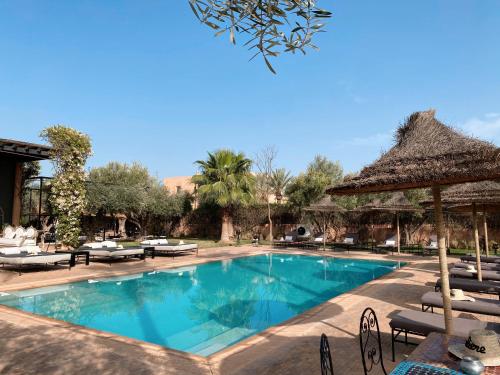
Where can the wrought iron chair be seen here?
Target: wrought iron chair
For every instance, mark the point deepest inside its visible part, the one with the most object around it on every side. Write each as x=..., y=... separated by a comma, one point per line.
x=369, y=341
x=325, y=355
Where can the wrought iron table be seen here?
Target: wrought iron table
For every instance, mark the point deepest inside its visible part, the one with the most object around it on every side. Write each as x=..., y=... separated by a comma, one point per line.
x=432, y=358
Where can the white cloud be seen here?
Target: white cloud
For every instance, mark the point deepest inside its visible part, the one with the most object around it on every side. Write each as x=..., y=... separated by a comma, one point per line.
x=487, y=128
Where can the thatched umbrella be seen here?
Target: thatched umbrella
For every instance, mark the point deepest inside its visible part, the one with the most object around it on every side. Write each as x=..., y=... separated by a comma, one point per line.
x=471, y=197
x=326, y=209
x=428, y=153
x=467, y=198
x=396, y=204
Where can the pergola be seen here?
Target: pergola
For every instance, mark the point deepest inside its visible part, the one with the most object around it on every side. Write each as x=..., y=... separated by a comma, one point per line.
x=12, y=156
x=428, y=153
x=326, y=210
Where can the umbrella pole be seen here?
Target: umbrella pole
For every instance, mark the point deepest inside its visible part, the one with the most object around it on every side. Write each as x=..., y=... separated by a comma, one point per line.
x=476, y=242
x=443, y=262
x=485, y=225
x=398, y=241
x=324, y=233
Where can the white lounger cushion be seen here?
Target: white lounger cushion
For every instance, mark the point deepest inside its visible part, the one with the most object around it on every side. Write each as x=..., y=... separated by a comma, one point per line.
x=99, y=245
x=115, y=253
x=349, y=240
x=188, y=246
x=35, y=259
x=390, y=243
x=160, y=241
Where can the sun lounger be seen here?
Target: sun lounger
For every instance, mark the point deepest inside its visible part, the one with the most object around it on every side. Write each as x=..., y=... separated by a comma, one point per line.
x=478, y=306
x=472, y=285
x=25, y=259
x=484, y=259
x=171, y=249
x=487, y=275
x=115, y=252
x=484, y=266
x=422, y=323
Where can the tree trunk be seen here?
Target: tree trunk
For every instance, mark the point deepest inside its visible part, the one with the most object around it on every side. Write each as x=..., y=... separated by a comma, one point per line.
x=271, y=237
x=407, y=234
x=476, y=242
x=225, y=235
x=398, y=236
x=443, y=260
x=122, y=220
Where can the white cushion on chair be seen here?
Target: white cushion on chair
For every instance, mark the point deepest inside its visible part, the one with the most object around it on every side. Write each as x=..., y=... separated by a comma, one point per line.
x=19, y=232
x=9, y=232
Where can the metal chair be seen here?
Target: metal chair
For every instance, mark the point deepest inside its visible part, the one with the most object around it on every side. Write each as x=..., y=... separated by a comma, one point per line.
x=325, y=356
x=369, y=341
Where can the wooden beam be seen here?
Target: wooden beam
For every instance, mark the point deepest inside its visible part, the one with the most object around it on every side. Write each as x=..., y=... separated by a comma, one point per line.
x=17, y=195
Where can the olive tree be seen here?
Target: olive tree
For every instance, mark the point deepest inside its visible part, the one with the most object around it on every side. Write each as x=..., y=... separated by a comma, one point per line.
x=269, y=27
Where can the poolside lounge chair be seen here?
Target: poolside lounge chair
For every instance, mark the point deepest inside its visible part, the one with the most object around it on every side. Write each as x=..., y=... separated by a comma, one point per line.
x=25, y=259
x=113, y=252
x=484, y=266
x=484, y=259
x=389, y=244
x=478, y=306
x=471, y=285
x=172, y=249
x=487, y=275
x=421, y=323
x=154, y=241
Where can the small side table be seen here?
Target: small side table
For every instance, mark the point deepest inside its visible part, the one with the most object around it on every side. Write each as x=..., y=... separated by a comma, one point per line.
x=75, y=254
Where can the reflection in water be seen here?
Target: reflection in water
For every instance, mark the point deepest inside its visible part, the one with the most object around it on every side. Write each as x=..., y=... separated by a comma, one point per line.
x=205, y=308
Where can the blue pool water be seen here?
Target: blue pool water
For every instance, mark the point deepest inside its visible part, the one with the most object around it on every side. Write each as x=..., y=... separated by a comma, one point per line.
x=206, y=308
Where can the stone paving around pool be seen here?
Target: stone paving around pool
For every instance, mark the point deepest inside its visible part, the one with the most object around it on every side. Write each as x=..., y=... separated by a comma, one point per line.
x=35, y=345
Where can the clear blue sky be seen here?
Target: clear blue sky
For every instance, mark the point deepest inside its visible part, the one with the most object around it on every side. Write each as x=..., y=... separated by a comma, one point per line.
x=148, y=83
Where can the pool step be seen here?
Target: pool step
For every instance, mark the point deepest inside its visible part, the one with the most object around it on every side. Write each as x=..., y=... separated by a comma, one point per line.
x=221, y=341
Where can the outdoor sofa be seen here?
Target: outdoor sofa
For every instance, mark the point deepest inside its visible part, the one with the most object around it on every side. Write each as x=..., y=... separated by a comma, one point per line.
x=421, y=323
x=17, y=237
x=487, y=275
x=478, y=306
x=471, y=285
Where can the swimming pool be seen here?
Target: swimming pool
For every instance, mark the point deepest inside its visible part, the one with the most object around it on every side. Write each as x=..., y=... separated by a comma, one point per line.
x=205, y=308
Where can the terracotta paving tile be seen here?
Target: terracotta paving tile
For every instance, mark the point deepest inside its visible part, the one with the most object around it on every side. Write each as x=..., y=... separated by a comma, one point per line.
x=35, y=345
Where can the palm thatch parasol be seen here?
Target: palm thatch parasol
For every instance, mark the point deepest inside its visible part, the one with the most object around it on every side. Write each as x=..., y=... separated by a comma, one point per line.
x=466, y=198
x=396, y=204
x=325, y=208
x=428, y=153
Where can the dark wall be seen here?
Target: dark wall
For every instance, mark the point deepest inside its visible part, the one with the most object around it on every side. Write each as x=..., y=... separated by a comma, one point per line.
x=7, y=172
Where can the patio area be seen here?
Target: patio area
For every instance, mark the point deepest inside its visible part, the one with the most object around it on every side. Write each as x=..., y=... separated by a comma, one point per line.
x=39, y=345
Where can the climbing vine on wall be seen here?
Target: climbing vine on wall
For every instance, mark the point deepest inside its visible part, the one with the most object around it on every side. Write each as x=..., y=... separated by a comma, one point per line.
x=70, y=151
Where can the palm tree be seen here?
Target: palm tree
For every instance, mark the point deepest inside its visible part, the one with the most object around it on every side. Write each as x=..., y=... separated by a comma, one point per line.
x=225, y=180
x=279, y=180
